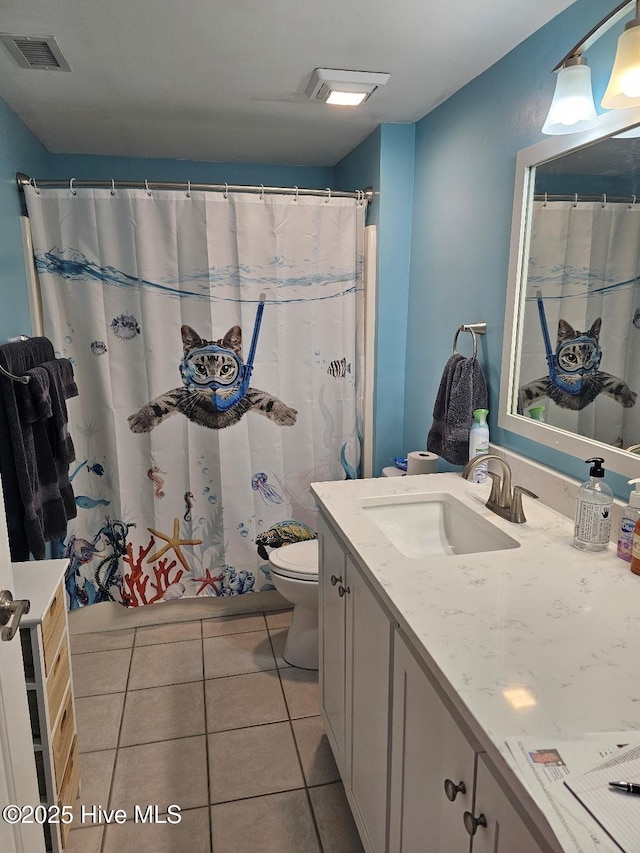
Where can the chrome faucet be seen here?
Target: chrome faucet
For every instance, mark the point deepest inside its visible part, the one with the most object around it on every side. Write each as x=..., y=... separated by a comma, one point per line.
x=502, y=500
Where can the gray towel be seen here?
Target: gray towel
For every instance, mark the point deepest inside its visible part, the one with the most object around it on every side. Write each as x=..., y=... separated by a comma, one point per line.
x=463, y=388
x=18, y=462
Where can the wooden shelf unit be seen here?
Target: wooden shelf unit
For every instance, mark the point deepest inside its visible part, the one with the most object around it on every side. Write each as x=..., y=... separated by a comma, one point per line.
x=44, y=635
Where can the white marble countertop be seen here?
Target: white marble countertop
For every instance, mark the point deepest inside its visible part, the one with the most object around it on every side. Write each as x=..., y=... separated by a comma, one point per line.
x=561, y=624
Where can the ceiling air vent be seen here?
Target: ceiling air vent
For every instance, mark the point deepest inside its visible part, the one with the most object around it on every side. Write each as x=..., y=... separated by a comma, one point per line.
x=41, y=52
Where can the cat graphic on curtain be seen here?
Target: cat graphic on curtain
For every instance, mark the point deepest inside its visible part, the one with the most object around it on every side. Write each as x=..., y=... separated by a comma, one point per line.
x=577, y=380
x=209, y=365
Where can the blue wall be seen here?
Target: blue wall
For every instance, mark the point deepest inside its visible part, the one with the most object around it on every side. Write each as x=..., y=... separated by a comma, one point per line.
x=94, y=167
x=20, y=151
x=464, y=185
x=385, y=161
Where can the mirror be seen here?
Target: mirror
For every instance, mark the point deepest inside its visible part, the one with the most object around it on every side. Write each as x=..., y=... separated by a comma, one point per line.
x=571, y=354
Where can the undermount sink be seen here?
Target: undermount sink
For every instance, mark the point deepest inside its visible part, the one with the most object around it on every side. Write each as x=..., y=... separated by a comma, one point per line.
x=434, y=524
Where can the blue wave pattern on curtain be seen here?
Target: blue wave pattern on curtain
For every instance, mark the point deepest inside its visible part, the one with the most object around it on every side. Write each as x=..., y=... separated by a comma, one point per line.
x=154, y=298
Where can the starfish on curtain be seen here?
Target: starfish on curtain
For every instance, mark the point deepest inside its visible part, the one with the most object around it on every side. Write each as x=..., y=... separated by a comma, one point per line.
x=209, y=580
x=173, y=542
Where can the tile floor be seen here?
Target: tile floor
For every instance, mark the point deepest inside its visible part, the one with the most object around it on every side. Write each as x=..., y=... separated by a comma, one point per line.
x=208, y=716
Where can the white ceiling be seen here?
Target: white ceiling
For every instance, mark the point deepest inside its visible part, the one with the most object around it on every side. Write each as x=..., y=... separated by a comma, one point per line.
x=224, y=80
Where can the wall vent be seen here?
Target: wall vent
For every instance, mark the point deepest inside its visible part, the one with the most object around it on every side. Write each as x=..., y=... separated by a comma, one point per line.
x=41, y=52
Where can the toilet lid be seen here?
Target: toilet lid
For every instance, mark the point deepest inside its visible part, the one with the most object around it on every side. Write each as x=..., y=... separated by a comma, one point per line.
x=299, y=560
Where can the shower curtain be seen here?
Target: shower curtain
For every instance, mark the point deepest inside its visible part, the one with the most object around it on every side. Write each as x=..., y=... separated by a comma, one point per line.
x=584, y=259
x=185, y=463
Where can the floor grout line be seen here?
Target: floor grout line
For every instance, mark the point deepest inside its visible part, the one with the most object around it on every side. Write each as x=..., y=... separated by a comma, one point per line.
x=273, y=633
x=206, y=743
x=103, y=840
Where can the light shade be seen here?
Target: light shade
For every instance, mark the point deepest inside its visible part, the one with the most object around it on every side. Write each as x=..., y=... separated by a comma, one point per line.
x=572, y=109
x=623, y=90
x=344, y=88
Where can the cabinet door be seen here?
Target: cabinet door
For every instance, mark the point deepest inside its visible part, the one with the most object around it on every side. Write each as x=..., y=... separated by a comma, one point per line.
x=505, y=831
x=368, y=699
x=428, y=748
x=332, y=567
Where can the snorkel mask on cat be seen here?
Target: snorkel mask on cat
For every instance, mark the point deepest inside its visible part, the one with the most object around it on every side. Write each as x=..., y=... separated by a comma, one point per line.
x=564, y=363
x=233, y=374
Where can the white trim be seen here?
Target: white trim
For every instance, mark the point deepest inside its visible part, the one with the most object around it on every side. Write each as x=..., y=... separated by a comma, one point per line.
x=370, y=278
x=627, y=464
x=33, y=285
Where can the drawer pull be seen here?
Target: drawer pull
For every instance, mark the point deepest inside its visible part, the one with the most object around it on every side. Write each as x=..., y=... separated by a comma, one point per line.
x=471, y=823
x=336, y=579
x=452, y=790
x=342, y=590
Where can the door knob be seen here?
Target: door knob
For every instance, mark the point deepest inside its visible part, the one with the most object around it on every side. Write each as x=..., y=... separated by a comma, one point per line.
x=471, y=823
x=452, y=790
x=9, y=608
x=342, y=590
x=336, y=579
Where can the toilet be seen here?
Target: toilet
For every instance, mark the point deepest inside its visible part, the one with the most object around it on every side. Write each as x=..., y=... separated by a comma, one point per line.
x=294, y=572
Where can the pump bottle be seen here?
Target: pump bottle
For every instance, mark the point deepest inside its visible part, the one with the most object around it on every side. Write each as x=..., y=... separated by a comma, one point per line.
x=630, y=515
x=593, y=511
x=479, y=442
x=635, y=551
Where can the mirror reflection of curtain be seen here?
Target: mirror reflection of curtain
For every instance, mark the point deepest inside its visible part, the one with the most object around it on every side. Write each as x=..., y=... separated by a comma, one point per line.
x=169, y=506
x=585, y=260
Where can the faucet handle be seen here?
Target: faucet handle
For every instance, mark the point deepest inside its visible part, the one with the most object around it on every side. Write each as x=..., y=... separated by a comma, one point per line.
x=517, y=513
x=496, y=485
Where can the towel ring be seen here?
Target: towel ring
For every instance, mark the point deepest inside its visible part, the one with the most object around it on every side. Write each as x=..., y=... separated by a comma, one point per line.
x=473, y=335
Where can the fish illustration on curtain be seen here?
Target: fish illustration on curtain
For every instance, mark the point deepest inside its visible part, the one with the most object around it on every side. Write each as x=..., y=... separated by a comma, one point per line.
x=216, y=392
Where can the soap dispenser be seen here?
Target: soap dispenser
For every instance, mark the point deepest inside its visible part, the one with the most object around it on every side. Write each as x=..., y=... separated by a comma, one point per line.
x=593, y=510
x=630, y=515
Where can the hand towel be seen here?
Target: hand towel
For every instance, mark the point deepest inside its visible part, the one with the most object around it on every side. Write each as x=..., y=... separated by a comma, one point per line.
x=462, y=389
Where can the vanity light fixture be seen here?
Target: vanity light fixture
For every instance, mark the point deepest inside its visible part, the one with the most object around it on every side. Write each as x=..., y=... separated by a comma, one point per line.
x=623, y=90
x=572, y=109
x=344, y=88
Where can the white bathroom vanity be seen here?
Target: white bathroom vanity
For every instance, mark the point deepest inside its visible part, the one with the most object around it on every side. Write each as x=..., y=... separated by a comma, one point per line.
x=430, y=661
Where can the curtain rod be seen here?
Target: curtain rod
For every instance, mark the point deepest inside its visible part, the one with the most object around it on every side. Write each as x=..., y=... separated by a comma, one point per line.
x=576, y=197
x=22, y=180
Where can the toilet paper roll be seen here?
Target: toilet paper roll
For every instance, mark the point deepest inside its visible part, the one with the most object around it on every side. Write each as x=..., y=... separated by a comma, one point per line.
x=422, y=462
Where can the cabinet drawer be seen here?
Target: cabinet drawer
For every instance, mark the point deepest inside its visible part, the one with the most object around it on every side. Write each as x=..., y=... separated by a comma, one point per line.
x=58, y=681
x=63, y=738
x=69, y=788
x=53, y=625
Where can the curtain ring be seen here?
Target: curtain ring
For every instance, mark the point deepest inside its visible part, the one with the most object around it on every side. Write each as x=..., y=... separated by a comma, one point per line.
x=604, y=199
x=544, y=203
x=575, y=200
x=261, y=192
x=296, y=195
x=188, y=189
x=226, y=191
x=73, y=192
x=633, y=201
x=113, y=187
x=32, y=181
x=146, y=186
x=328, y=199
